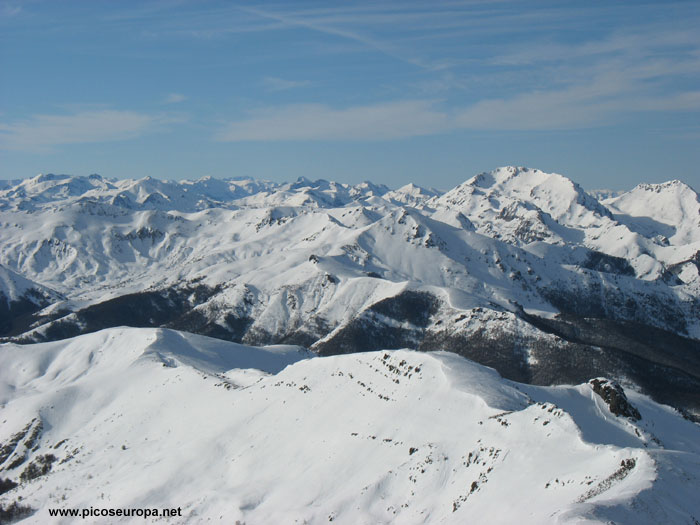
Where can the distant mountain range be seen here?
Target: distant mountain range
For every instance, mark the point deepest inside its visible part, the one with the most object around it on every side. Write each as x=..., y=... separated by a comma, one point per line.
x=517, y=269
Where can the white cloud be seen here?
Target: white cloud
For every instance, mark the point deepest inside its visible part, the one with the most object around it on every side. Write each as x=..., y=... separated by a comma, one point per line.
x=174, y=98
x=319, y=122
x=281, y=84
x=43, y=132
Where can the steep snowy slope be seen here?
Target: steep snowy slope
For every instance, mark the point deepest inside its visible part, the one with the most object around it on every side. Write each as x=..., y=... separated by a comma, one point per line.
x=14, y=287
x=19, y=298
x=129, y=418
x=517, y=269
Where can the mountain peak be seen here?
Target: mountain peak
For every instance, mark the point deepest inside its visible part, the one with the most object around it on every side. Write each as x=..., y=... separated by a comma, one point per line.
x=671, y=185
x=552, y=193
x=47, y=177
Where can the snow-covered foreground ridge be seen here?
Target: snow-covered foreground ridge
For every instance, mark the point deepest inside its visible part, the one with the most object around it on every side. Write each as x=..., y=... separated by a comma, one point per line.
x=517, y=269
x=133, y=418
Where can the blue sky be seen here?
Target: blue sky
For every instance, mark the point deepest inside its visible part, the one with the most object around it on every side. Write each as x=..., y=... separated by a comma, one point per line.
x=607, y=93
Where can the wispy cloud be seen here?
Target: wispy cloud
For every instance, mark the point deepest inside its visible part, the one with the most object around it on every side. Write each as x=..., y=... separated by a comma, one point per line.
x=575, y=107
x=495, y=65
x=391, y=120
x=601, y=100
x=321, y=25
x=633, y=44
x=493, y=32
x=596, y=82
x=42, y=133
x=281, y=84
x=174, y=98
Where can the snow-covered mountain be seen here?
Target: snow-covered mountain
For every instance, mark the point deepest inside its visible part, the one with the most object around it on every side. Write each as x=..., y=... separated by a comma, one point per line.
x=672, y=208
x=517, y=269
x=152, y=418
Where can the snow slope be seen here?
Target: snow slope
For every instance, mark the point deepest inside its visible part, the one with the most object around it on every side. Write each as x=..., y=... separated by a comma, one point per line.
x=672, y=207
x=14, y=287
x=159, y=418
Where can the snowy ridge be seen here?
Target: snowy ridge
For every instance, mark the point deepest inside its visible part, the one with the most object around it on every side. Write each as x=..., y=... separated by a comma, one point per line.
x=133, y=417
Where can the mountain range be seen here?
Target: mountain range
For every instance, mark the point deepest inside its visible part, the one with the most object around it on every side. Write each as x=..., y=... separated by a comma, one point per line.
x=516, y=269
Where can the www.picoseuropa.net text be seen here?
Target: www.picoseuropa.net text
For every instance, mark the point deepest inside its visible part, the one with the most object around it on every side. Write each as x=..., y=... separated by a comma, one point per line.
x=93, y=512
